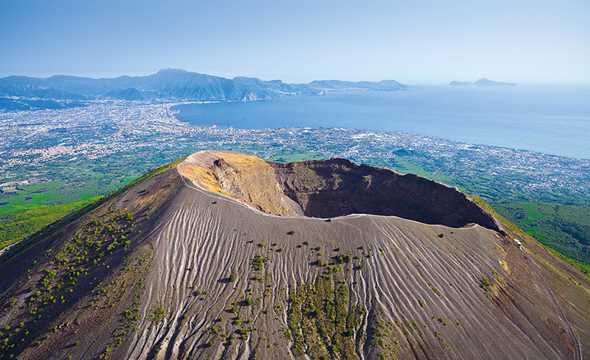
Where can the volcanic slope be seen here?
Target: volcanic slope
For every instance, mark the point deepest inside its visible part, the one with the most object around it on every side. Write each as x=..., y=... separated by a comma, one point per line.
x=226, y=256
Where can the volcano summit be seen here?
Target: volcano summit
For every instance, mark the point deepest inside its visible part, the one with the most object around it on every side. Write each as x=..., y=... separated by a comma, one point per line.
x=226, y=256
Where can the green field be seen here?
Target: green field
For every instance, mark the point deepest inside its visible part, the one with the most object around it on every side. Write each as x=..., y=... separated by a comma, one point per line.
x=21, y=220
x=34, y=206
x=293, y=157
x=565, y=228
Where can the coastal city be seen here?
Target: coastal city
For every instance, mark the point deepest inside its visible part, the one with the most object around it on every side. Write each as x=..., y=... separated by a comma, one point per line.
x=122, y=139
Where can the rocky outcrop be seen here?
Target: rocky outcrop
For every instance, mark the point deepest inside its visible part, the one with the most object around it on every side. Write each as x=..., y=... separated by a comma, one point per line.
x=243, y=177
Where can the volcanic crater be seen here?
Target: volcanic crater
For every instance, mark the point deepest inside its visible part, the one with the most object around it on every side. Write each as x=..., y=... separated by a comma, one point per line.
x=331, y=188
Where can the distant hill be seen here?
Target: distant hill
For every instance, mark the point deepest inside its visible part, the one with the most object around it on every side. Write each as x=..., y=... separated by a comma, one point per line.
x=173, y=84
x=483, y=82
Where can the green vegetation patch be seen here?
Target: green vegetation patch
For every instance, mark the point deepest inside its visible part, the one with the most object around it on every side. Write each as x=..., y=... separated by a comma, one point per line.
x=258, y=263
x=157, y=314
x=17, y=222
x=565, y=228
x=322, y=319
x=287, y=157
x=485, y=283
x=91, y=243
x=70, y=188
x=384, y=339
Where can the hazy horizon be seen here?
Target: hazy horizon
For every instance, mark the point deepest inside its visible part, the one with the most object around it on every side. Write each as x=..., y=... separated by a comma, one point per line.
x=427, y=42
x=411, y=83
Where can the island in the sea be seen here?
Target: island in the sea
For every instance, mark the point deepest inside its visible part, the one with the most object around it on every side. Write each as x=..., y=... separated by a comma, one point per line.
x=483, y=82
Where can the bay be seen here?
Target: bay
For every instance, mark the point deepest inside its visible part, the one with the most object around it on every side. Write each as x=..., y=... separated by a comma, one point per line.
x=548, y=119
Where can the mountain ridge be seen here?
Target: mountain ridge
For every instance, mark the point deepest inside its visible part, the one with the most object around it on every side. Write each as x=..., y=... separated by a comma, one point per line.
x=175, y=84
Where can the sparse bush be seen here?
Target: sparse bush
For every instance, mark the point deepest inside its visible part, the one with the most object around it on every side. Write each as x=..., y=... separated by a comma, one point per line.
x=248, y=301
x=341, y=259
x=158, y=314
x=258, y=262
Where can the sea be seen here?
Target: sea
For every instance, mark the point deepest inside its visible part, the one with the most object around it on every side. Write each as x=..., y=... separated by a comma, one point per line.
x=548, y=119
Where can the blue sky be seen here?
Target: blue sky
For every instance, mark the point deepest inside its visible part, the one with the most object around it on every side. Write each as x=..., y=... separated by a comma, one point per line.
x=412, y=41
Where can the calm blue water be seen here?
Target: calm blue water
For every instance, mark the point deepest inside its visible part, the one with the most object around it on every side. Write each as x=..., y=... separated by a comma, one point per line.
x=554, y=120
